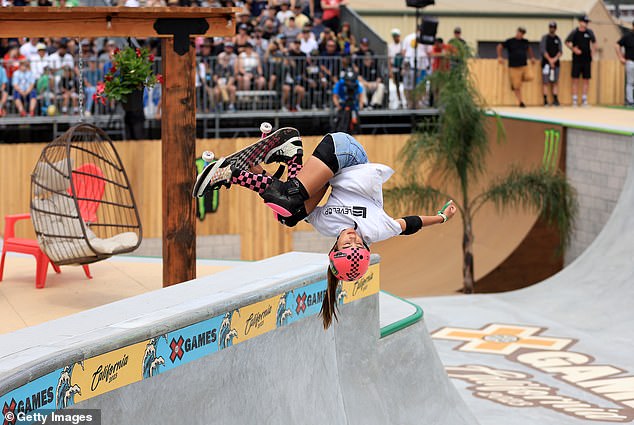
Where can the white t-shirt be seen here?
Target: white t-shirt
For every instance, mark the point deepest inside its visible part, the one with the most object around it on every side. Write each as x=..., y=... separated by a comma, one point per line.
x=422, y=61
x=58, y=62
x=28, y=49
x=307, y=46
x=38, y=63
x=282, y=16
x=394, y=49
x=357, y=197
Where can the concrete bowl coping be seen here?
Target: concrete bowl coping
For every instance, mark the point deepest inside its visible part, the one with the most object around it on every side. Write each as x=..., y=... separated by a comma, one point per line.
x=30, y=353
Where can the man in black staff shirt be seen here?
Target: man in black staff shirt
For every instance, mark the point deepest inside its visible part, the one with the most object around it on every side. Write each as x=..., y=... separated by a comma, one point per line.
x=518, y=50
x=582, y=42
x=627, y=43
x=550, y=48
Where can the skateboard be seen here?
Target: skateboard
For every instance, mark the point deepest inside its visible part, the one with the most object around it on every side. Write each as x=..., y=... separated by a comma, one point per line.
x=245, y=158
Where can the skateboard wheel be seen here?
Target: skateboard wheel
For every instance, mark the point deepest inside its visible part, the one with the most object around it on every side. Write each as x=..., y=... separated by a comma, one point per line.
x=208, y=156
x=266, y=128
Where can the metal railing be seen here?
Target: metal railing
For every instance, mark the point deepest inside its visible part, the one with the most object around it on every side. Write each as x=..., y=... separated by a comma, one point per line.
x=276, y=83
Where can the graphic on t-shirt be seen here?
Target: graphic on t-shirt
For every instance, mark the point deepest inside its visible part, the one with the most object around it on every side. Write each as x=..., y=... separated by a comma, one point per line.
x=344, y=210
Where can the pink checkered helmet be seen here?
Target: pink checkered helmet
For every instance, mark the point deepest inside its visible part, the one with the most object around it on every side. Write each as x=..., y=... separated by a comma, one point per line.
x=349, y=263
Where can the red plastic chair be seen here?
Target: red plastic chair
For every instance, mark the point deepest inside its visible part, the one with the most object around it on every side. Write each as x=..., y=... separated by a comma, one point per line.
x=28, y=246
x=88, y=186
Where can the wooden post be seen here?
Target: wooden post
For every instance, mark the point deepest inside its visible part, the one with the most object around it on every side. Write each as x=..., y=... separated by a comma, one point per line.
x=178, y=134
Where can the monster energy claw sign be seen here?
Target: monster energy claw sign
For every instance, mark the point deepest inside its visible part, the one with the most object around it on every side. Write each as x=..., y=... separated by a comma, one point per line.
x=209, y=202
x=551, y=149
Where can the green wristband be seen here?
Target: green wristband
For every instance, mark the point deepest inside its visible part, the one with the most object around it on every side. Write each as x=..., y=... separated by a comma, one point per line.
x=444, y=207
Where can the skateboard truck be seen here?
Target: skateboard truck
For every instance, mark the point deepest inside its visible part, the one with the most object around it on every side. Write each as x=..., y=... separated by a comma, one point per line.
x=265, y=128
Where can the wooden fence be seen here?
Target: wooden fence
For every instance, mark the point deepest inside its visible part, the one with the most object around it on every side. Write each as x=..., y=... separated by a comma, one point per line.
x=607, y=85
x=240, y=211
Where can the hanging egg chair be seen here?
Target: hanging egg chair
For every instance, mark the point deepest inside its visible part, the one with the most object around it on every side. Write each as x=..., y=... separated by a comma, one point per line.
x=82, y=205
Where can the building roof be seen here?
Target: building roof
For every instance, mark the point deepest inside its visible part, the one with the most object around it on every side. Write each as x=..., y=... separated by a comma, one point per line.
x=487, y=7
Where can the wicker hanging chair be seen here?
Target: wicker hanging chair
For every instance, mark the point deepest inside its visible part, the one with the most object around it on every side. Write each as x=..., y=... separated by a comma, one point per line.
x=82, y=205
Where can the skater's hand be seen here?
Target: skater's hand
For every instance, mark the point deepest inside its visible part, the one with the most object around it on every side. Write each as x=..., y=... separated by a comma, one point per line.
x=449, y=210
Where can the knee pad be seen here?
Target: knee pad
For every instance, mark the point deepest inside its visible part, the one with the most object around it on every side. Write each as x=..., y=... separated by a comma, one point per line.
x=286, y=199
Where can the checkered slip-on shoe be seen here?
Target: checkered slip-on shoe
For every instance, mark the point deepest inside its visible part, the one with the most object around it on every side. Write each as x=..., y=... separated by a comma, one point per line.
x=213, y=177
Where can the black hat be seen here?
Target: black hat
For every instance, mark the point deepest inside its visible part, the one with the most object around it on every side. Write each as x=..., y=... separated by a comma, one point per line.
x=584, y=18
x=552, y=24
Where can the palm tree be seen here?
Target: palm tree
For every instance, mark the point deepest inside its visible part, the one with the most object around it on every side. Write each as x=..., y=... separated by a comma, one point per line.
x=457, y=145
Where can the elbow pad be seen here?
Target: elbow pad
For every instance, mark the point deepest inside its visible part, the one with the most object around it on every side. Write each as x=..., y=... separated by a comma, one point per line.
x=413, y=224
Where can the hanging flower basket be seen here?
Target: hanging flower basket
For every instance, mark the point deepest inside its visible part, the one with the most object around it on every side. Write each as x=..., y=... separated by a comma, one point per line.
x=132, y=70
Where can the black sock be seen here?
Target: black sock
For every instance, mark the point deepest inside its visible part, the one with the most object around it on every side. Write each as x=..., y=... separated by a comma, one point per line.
x=555, y=98
x=545, y=99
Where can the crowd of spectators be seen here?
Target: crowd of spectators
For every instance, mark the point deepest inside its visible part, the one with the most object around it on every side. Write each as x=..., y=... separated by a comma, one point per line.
x=296, y=50
x=40, y=76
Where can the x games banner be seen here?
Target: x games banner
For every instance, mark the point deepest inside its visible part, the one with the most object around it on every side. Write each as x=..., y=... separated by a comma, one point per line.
x=97, y=375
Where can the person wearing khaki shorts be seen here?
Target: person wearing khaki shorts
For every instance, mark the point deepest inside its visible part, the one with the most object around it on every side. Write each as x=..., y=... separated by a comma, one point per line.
x=518, y=50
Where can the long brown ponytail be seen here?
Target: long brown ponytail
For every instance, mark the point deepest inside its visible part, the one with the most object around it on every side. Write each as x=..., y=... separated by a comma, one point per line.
x=329, y=305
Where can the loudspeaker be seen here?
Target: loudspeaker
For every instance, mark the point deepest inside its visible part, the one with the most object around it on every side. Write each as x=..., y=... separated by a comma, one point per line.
x=419, y=3
x=428, y=30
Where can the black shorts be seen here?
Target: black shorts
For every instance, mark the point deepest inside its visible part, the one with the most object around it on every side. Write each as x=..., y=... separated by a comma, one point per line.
x=581, y=68
x=325, y=152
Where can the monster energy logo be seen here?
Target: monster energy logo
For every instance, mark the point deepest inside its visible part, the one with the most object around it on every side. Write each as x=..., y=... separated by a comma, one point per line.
x=209, y=202
x=551, y=149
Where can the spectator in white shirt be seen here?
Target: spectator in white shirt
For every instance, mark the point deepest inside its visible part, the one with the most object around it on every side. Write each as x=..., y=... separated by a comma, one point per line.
x=61, y=58
x=395, y=63
x=413, y=52
x=39, y=61
x=284, y=13
x=307, y=40
x=29, y=48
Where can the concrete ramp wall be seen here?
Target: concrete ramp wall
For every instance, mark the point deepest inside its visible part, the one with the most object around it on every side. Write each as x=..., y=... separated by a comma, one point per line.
x=243, y=346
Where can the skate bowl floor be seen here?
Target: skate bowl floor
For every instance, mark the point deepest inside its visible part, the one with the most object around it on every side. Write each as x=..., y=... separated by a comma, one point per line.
x=242, y=346
x=559, y=352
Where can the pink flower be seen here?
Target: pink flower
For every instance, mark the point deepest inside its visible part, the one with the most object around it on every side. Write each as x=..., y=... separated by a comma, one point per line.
x=116, y=50
x=108, y=77
x=151, y=57
x=100, y=87
x=103, y=100
x=94, y=96
x=113, y=69
x=138, y=53
x=159, y=78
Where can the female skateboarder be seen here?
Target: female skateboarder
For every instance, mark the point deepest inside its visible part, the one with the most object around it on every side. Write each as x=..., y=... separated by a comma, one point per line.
x=353, y=212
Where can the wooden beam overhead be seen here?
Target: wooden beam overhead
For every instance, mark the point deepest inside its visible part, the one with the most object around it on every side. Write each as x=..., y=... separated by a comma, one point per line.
x=108, y=21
